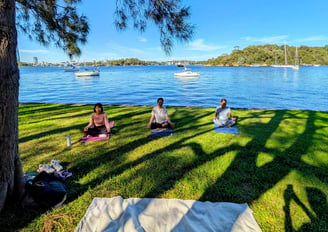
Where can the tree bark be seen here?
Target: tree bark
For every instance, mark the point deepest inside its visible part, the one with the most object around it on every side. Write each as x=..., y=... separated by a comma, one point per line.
x=11, y=175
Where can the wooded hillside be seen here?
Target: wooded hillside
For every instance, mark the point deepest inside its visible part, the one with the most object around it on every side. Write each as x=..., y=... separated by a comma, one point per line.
x=270, y=54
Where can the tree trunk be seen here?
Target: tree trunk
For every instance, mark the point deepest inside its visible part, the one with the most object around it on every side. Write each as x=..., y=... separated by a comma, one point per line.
x=11, y=175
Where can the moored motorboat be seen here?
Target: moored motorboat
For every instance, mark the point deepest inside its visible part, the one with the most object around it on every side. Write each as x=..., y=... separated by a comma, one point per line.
x=71, y=68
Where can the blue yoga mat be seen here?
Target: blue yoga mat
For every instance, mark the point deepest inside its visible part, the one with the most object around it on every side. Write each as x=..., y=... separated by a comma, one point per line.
x=230, y=130
x=161, y=132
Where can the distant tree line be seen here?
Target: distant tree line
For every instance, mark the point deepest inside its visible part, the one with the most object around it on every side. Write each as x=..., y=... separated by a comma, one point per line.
x=264, y=55
x=136, y=62
x=267, y=55
x=128, y=62
x=118, y=62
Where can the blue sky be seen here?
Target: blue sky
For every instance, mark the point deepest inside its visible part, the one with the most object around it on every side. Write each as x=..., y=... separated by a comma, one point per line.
x=219, y=27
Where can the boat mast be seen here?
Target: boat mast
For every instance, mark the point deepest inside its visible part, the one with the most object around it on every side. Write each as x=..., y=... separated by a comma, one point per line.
x=296, y=57
x=285, y=54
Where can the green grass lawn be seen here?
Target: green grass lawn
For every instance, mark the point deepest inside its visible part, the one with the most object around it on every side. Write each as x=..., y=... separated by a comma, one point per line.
x=278, y=164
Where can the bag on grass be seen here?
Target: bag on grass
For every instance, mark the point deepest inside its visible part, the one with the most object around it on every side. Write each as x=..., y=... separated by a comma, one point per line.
x=47, y=190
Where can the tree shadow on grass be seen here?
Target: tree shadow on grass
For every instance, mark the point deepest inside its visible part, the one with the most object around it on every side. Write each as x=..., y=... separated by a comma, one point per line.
x=318, y=214
x=246, y=187
x=42, y=112
x=243, y=181
x=76, y=126
x=118, y=156
x=119, y=169
x=51, y=132
x=58, y=117
x=239, y=183
x=14, y=216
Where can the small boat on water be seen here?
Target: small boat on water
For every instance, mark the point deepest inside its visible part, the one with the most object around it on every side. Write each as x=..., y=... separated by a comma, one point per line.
x=187, y=73
x=87, y=73
x=71, y=68
x=293, y=66
x=286, y=65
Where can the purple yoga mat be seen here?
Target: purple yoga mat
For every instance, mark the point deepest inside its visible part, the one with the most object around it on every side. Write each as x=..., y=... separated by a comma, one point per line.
x=94, y=138
x=90, y=138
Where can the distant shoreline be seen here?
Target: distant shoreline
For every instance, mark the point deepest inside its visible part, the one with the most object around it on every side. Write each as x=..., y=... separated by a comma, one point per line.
x=128, y=105
x=253, y=55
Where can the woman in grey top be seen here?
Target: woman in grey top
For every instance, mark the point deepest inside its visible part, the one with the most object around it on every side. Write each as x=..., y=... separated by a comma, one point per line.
x=159, y=116
x=223, y=116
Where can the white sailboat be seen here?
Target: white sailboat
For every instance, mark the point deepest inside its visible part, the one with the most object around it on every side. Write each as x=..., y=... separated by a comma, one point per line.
x=187, y=73
x=296, y=65
x=286, y=65
x=87, y=72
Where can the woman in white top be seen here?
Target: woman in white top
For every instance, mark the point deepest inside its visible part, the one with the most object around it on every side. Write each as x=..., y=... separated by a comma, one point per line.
x=98, y=123
x=159, y=116
x=223, y=116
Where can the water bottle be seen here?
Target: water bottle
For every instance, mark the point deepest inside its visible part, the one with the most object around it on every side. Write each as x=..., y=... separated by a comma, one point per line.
x=68, y=140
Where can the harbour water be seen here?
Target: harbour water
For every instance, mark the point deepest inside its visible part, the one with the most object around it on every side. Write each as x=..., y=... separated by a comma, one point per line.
x=244, y=87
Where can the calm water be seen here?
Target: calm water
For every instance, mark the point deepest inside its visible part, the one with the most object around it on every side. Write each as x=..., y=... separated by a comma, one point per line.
x=254, y=87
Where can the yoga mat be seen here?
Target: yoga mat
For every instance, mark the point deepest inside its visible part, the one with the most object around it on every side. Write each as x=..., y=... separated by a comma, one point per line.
x=94, y=138
x=229, y=130
x=90, y=138
x=161, y=132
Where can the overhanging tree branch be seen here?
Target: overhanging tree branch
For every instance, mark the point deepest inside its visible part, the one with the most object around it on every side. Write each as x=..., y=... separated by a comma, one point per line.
x=48, y=22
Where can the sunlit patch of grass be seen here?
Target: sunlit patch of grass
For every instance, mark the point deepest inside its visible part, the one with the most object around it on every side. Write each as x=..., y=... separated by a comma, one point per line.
x=263, y=158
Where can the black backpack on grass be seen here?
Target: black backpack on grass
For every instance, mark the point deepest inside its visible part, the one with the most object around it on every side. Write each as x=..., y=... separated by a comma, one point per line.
x=47, y=190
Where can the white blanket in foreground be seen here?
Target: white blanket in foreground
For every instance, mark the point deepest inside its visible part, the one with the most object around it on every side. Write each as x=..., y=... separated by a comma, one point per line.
x=153, y=214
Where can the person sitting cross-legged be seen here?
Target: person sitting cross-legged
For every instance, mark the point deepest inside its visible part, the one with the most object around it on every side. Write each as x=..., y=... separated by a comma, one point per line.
x=159, y=116
x=98, y=124
x=223, y=116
